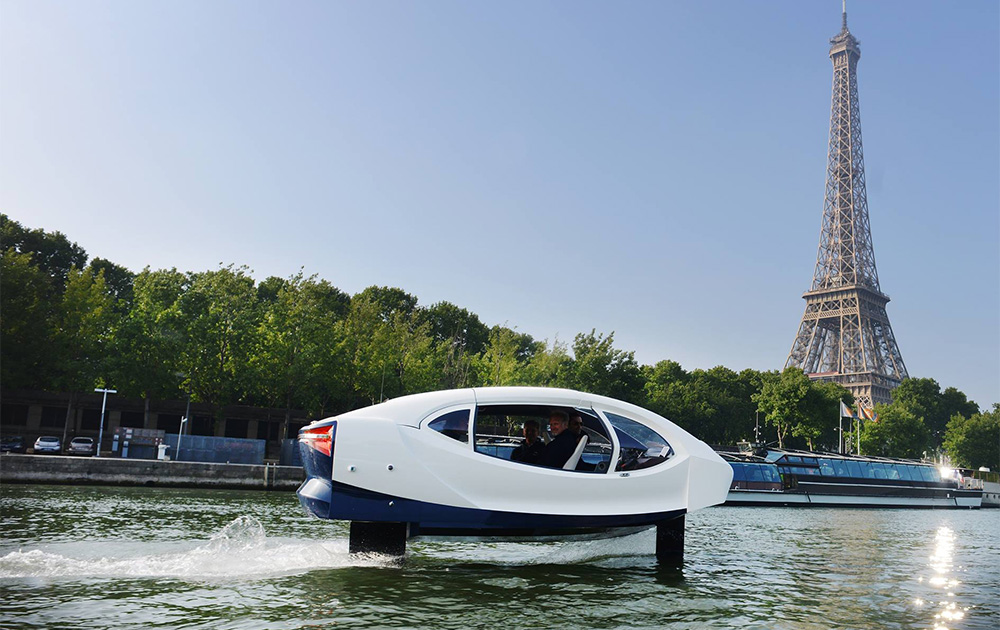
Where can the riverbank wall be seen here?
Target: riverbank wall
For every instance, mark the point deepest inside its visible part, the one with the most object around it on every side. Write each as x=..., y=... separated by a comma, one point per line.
x=107, y=471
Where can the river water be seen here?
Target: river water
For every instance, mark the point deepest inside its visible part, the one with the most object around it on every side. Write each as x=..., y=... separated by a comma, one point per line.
x=99, y=557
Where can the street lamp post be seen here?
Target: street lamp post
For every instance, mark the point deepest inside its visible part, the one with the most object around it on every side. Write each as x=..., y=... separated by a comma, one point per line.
x=104, y=403
x=180, y=434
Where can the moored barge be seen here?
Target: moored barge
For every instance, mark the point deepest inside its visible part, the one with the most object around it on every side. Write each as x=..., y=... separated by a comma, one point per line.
x=806, y=478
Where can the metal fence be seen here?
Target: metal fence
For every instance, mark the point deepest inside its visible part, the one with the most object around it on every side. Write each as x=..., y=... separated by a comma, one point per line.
x=219, y=450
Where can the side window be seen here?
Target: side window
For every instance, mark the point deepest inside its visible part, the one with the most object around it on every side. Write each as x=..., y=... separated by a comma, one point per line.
x=454, y=424
x=522, y=433
x=641, y=447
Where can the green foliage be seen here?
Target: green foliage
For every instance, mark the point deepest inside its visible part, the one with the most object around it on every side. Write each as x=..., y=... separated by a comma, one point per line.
x=898, y=433
x=714, y=404
x=149, y=339
x=301, y=343
x=782, y=400
x=29, y=353
x=220, y=316
x=51, y=252
x=974, y=441
x=600, y=368
x=82, y=330
x=924, y=399
x=499, y=364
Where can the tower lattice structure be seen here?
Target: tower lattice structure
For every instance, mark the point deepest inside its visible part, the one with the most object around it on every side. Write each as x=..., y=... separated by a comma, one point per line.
x=845, y=334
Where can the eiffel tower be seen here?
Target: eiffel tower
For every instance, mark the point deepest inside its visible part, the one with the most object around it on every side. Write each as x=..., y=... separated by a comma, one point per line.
x=845, y=336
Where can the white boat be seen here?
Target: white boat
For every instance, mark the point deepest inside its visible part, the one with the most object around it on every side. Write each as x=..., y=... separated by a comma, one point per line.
x=439, y=464
x=806, y=478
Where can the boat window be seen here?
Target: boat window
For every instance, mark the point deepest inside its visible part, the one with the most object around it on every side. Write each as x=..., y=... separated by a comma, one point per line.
x=890, y=470
x=915, y=473
x=772, y=474
x=904, y=472
x=810, y=460
x=867, y=470
x=826, y=468
x=641, y=447
x=930, y=474
x=854, y=469
x=500, y=431
x=840, y=466
x=739, y=474
x=793, y=459
x=880, y=471
x=454, y=424
x=754, y=473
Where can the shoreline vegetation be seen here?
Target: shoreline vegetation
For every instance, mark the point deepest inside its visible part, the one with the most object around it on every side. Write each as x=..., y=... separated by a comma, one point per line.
x=69, y=323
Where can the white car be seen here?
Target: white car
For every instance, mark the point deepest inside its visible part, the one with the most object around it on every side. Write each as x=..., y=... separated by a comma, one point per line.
x=439, y=464
x=48, y=444
x=81, y=446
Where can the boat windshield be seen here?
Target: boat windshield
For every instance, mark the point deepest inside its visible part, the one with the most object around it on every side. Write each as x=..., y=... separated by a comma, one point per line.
x=641, y=447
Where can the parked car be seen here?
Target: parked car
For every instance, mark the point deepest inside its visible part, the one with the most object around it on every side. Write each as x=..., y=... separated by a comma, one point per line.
x=12, y=444
x=81, y=446
x=48, y=444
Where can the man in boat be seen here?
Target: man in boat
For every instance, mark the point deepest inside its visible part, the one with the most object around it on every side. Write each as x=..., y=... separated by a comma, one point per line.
x=563, y=443
x=531, y=450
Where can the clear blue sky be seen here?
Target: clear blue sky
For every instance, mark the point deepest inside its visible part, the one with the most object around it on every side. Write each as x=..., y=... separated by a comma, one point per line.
x=655, y=169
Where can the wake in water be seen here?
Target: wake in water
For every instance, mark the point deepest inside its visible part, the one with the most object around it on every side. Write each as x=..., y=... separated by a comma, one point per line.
x=241, y=549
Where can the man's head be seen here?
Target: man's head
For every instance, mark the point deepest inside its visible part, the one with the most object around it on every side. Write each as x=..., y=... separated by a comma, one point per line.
x=576, y=423
x=558, y=421
x=530, y=431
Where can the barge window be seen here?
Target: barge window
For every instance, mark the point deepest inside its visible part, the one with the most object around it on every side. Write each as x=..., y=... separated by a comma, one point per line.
x=867, y=470
x=771, y=474
x=904, y=472
x=826, y=468
x=890, y=470
x=929, y=474
x=754, y=471
x=879, y=470
x=854, y=469
x=840, y=466
x=739, y=471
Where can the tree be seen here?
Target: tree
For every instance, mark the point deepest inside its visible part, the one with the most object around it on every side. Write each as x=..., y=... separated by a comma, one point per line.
x=782, y=400
x=220, y=315
x=299, y=361
x=459, y=336
x=923, y=398
x=51, y=252
x=499, y=364
x=820, y=421
x=974, y=441
x=897, y=433
x=541, y=365
x=148, y=340
x=29, y=354
x=600, y=368
x=81, y=332
x=119, y=281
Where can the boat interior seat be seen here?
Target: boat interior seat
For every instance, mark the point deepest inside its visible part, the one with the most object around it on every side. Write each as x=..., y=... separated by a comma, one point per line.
x=574, y=459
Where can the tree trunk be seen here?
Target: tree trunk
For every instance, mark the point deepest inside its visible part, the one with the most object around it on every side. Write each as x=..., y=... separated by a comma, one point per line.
x=69, y=416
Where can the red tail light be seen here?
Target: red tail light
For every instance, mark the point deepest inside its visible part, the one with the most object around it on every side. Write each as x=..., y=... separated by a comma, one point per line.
x=320, y=438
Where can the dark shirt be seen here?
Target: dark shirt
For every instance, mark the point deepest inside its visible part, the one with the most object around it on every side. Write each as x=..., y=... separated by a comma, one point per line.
x=559, y=450
x=528, y=454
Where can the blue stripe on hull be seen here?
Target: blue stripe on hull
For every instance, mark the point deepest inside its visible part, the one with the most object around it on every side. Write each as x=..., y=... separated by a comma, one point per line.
x=335, y=500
